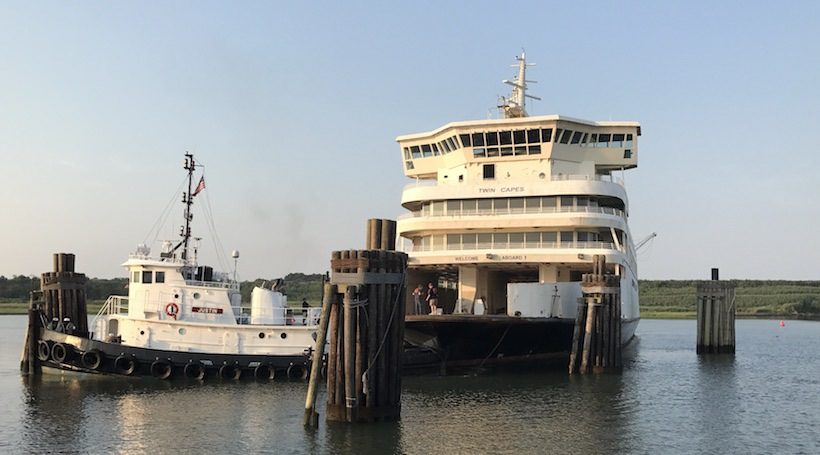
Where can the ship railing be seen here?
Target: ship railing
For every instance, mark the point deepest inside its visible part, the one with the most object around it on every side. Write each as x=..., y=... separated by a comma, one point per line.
x=494, y=212
x=558, y=177
x=596, y=177
x=482, y=247
x=213, y=284
x=292, y=316
x=115, y=304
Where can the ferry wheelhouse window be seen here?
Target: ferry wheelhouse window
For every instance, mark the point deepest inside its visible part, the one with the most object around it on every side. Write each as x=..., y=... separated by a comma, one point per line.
x=566, y=136
x=146, y=276
x=465, y=140
x=533, y=136
x=489, y=171
x=492, y=138
x=135, y=277
x=505, y=137
x=520, y=137
x=416, y=152
x=426, y=151
x=159, y=277
x=546, y=134
x=576, y=137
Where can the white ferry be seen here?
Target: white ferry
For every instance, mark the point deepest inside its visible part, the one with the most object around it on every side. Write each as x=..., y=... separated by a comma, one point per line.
x=187, y=320
x=505, y=216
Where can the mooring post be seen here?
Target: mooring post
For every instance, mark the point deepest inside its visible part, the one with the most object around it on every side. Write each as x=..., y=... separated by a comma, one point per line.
x=596, y=338
x=311, y=416
x=716, y=316
x=366, y=331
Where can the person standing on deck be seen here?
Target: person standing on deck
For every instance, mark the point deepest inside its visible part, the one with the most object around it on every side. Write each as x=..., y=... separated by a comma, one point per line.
x=417, y=298
x=432, y=298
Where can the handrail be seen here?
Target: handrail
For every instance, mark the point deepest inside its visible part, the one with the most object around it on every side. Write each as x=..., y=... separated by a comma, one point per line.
x=555, y=178
x=114, y=304
x=493, y=212
x=520, y=245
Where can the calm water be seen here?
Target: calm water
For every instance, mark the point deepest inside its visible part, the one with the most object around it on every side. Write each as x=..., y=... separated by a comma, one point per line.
x=766, y=399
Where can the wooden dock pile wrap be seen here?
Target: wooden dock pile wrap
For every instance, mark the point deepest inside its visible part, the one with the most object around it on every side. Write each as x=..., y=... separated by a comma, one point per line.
x=716, y=316
x=363, y=319
x=596, y=340
x=61, y=296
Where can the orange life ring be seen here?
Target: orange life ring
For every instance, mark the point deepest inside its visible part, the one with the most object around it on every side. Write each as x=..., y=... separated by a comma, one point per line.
x=172, y=310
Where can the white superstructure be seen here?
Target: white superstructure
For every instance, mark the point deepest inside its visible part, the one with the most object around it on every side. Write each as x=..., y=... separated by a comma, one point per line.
x=174, y=304
x=508, y=212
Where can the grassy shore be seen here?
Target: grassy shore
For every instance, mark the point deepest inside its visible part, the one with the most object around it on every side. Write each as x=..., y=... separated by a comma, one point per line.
x=15, y=307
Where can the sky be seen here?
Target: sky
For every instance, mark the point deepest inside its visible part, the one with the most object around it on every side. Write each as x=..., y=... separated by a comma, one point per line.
x=293, y=109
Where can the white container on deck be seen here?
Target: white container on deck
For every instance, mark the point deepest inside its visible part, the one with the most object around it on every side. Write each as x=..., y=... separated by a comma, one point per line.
x=267, y=307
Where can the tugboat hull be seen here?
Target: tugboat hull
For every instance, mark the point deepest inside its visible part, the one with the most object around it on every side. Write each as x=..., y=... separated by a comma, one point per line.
x=72, y=353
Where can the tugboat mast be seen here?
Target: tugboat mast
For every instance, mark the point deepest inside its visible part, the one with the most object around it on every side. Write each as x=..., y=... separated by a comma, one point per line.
x=190, y=165
x=187, y=199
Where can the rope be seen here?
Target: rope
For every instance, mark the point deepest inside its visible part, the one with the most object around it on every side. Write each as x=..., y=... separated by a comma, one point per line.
x=163, y=216
x=496, y=347
x=386, y=331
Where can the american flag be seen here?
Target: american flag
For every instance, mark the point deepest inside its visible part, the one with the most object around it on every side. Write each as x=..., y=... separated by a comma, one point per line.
x=200, y=186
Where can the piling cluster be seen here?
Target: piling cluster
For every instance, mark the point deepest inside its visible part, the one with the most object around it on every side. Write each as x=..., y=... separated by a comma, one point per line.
x=365, y=334
x=63, y=294
x=61, y=298
x=596, y=339
x=716, y=317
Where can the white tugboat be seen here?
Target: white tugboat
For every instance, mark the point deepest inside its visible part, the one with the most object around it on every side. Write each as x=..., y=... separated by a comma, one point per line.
x=504, y=218
x=185, y=319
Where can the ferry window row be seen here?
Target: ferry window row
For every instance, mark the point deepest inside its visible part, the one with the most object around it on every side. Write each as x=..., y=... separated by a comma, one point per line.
x=147, y=277
x=512, y=240
x=435, y=149
x=506, y=206
x=517, y=142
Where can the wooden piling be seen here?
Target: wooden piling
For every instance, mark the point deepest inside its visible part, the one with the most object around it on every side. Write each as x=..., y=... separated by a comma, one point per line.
x=365, y=346
x=311, y=416
x=596, y=339
x=64, y=293
x=716, y=317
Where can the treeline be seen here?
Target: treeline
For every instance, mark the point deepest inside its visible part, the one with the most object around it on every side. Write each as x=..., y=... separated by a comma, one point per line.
x=752, y=296
x=297, y=286
x=18, y=287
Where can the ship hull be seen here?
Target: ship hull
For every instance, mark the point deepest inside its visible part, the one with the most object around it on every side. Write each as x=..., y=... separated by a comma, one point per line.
x=456, y=341
x=61, y=351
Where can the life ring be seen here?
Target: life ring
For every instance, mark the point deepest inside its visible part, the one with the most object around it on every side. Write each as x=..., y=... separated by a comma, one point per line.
x=172, y=310
x=92, y=359
x=194, y=371
x=43, y=350
x=125, y=365
x=161, y=369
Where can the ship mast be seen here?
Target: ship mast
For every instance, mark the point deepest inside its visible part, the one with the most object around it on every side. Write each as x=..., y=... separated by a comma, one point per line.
x=515, y=105
x=187, y=199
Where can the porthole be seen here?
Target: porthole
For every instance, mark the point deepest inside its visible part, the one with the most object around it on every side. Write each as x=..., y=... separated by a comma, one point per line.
x=196, y=295
x=261, y=335
x=283, y=335
x=182, y=331
x=176, y=296
x=541, y=175
x=142, y=332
